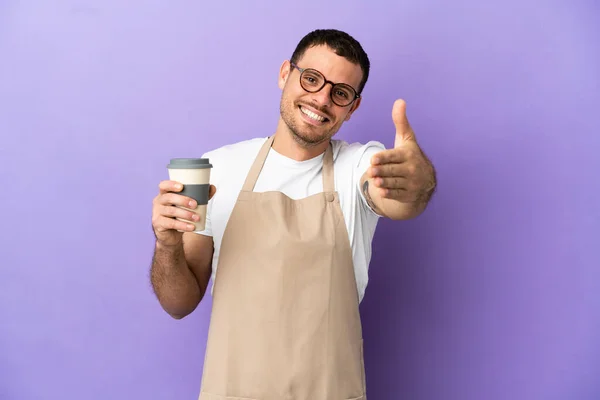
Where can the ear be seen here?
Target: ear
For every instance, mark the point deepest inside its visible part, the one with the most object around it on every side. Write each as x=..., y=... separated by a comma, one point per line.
x=353, y=108
x=284, y=72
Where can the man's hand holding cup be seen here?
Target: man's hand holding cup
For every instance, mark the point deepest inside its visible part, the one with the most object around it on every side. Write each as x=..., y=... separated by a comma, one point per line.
x=181, y=203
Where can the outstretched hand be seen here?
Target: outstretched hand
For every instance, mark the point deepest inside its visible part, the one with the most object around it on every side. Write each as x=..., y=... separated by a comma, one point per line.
x=403, y=173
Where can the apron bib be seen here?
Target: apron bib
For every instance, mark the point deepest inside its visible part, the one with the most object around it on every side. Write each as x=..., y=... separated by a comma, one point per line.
x=285, y=321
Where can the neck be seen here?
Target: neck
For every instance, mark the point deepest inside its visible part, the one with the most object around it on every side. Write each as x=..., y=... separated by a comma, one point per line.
x=286, y=144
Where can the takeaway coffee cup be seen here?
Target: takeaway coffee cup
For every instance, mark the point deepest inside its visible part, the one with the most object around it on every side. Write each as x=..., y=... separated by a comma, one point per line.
x=194, y=174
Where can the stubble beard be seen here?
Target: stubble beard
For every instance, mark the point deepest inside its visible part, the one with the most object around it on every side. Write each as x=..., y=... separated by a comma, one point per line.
x=287, y=110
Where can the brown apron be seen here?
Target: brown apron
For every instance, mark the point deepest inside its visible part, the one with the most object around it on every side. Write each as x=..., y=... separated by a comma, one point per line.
x=285, y=321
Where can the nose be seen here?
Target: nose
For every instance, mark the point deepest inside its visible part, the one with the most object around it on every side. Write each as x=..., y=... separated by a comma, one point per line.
x=323, y=96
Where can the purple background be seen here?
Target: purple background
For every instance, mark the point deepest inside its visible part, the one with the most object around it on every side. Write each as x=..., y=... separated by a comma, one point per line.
x=493, y=294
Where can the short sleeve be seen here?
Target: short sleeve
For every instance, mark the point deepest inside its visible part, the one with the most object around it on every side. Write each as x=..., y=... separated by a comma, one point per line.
x=362, y=163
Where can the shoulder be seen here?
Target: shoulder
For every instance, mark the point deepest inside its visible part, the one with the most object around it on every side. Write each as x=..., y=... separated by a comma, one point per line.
x=230, y=160
x=235, y=151
x=354, y=153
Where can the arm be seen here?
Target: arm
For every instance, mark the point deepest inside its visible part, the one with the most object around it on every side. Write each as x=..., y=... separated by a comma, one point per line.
x=401, y=181
x=180, y=273
x=182, y=262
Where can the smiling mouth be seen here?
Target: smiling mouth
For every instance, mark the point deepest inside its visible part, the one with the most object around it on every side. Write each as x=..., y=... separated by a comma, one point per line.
x=312, y=115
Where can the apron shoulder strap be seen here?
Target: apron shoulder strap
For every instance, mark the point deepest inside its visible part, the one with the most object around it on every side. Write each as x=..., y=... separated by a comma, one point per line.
x=259, y=162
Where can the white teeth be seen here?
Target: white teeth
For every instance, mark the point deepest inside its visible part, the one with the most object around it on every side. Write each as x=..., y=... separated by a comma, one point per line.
x=312, y=114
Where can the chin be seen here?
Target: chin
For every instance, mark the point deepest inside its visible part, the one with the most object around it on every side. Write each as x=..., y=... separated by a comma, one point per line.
x=305, y=132
x=304, y=137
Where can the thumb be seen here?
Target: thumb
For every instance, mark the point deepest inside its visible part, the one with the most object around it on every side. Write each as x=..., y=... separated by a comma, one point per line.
x=403, y=130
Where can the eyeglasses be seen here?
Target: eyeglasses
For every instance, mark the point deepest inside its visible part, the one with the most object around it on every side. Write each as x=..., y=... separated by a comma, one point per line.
x=313, y=81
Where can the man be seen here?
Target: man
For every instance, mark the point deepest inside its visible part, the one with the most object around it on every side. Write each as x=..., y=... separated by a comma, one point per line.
x=288, y=236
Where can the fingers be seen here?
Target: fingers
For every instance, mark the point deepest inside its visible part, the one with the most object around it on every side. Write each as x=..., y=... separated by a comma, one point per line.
x=402, y=154
x=402, y=195
x=391, y=183
x=389, y=156
x=166, y=209
x=168, y=213
x=169, y=186
x=394, y=177
x=389, y=170
x=164, y=218
x=173, y=186
x=176, y=200
x=162, y=223
x=176, y=212
x=172, y=211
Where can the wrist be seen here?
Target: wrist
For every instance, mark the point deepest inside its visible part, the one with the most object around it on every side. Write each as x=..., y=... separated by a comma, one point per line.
x=168, y=247
x=367, y=187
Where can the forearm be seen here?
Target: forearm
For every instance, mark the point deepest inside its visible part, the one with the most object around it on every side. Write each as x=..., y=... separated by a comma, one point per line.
x=173, y=282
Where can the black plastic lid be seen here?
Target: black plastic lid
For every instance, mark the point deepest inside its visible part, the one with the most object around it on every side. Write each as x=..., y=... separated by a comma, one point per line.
x=189, y=163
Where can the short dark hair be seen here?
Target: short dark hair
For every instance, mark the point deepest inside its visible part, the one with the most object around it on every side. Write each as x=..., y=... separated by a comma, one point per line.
x=341, y=43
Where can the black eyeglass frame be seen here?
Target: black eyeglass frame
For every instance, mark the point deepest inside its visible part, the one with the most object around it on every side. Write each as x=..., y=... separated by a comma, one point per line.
x=325, y=82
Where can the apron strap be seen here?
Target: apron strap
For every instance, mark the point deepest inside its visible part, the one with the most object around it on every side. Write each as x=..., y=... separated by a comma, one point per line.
x=257, y=166
x=328, y=182
x=259, y=162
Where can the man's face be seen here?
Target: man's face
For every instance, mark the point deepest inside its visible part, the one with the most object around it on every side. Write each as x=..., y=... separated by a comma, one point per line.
x=313, y=118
